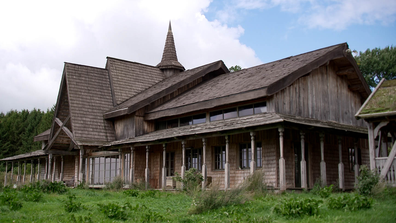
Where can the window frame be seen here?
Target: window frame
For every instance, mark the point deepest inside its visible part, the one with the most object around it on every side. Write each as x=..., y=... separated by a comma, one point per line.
x=219, y=157
x=248, y=154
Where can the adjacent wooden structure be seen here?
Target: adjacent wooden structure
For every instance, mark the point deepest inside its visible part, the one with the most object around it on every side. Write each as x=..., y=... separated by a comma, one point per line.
x=291, y=119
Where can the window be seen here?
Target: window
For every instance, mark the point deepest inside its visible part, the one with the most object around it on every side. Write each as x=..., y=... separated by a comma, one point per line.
x=104, y=169
x=245, y=155
x=351, y=158
x=245, y=110
x=172, y=123
x=179, y=122
x=217, y=115
x=230, y=113
x=197, y=119
x=260, y=108
x=220, y=156
x=170, y=164
x=194, y=159
x=186, y=121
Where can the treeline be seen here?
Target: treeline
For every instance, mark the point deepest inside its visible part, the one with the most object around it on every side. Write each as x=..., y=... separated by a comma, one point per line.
x=18, y=128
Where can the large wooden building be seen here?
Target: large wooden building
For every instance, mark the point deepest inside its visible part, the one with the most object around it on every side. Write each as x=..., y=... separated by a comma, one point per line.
x=291, y=119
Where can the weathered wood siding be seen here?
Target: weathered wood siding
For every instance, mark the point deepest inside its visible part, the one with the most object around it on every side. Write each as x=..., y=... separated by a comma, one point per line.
x=63, y=112
x=321, y=95
x=124, y=127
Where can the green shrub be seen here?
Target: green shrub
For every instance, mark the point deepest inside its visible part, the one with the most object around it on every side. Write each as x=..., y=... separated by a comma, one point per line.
x=297, y=207
x=116, y=184
x=47, y=186
x=351, y=202
x=325, y=192
x=192, y=180
x=214, y=198
x=81, y=219
x=367, y=180
x=139, y=185
x=115, y=210
x=34, y=196
x=70, y=204
x=132, y=193
x=255, y=183
x=10, y=198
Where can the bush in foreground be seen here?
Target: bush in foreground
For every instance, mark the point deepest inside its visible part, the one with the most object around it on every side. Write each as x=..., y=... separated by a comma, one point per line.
x=367, y=180
x=351, y=202
x=297, y=207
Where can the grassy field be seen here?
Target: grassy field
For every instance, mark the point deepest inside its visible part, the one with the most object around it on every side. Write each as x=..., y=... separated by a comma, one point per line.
x=159, y=206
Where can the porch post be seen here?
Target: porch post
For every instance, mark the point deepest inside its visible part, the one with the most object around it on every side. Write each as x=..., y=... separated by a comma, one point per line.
x=147, y=171
x=61, y=173
x=5, y=175
x=204, y=171
x=253, y=147
x=371, y=142
x=282, y=164
x=227, y=166
x=12, y=171
x=163, y=166
x=340, y=165
x=24, y=172
x=104, y=169
x=92, y=166
x=183, y=168
x=323, y=176
x=53, y=169
x=38, y=169
x=81, y=174
x=49, y=166
x=303, y=163
x=131, y=169
x=19, y=173
x=46, y=168
x=31, y=171
x=356, y=163
x=121, y=167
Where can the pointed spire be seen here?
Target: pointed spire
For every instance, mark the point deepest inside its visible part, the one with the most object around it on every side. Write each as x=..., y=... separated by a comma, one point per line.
x=169, y=57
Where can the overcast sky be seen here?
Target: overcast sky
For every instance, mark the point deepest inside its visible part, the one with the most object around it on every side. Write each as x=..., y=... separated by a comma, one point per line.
x=37, y=37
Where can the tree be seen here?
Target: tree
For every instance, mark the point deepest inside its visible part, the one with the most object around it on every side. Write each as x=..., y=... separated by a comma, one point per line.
x=235, y=68
x=376, y=64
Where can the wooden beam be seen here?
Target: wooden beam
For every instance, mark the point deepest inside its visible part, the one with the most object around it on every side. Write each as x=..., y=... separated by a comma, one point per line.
x=65, y=129
x=346, y=71
x=104, y=153
x=378, y=128
x=388, y=162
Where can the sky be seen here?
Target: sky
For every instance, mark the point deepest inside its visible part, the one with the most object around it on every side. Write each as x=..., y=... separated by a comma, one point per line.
x=37, y=37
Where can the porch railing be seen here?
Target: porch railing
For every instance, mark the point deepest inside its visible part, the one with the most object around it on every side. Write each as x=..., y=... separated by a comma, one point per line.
x=390, y=177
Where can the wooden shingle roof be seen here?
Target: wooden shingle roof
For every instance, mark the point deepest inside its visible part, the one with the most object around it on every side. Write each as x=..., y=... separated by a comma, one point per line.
x=251, y=83
x=163, y=88
x=253, y=121
x=381, y=102
x=42, y=136
x=130, y=78
x=169, y=56
x=89, y=95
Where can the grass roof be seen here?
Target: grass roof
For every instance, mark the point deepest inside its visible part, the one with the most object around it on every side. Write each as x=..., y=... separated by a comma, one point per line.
x=383, y=100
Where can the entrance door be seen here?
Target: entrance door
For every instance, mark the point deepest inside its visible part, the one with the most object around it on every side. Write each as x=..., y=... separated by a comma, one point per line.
x=297, y=161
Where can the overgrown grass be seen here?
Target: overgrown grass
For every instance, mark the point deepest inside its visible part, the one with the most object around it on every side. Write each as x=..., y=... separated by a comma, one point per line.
x=161, y=206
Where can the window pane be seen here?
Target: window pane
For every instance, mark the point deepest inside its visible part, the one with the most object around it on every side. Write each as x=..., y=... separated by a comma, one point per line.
x=245, y=110
x=260, y=108
x=259, y=153
x=230, y=113
x=160, y=125
x=186, y=121
x=217, y=115
x=173, y=123
x=197, y=119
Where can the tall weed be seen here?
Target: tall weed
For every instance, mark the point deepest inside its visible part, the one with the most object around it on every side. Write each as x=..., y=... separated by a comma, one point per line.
x=367, y=180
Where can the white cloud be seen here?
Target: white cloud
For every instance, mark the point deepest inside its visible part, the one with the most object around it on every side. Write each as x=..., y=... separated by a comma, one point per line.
x=37, y=38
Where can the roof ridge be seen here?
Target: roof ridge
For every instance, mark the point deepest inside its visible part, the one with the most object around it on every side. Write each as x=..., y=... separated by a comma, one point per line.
x=134, y=62
x=83, y=65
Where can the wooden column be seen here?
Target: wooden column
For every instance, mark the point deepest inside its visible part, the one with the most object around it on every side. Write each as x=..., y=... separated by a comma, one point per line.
x=5, y=175
x=24, y=172
x=183, y=168
x=204, y=168
x=371, y=142
x=147, y=170
x=356, y=163
x=121, y=167
x=340, y=165
x=38, y=169
x=12, y=172
x=31, y=171
x=49, y=167
x=81, y=166
x=53, y=169
x=87, y=170
x=61, y=173
x=131, y=169
x=163, y=166
x=253, y=149
x=303, y=163
x=104, y=170
x=46, y=169
x=227, y=166
x=19, y=173
x=282, y=164
x=323, y=176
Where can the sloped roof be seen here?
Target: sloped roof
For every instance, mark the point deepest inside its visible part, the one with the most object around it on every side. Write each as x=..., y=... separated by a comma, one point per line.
x=169, y=56
x=42, y=136
x=255, y=82
x=251, y=121
x=163, y=88
x=381, y=102
x=89, y=97
x=130, y=78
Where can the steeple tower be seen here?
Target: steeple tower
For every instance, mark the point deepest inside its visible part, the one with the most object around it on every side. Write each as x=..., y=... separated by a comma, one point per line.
x=169, y=63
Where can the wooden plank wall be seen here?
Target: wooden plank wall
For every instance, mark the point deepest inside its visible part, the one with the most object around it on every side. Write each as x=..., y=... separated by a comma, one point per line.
x=321, y=95
x=124, y=127
x=63, y=113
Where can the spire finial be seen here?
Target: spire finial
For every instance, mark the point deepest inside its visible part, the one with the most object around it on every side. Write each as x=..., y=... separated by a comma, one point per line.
x=169, y=60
